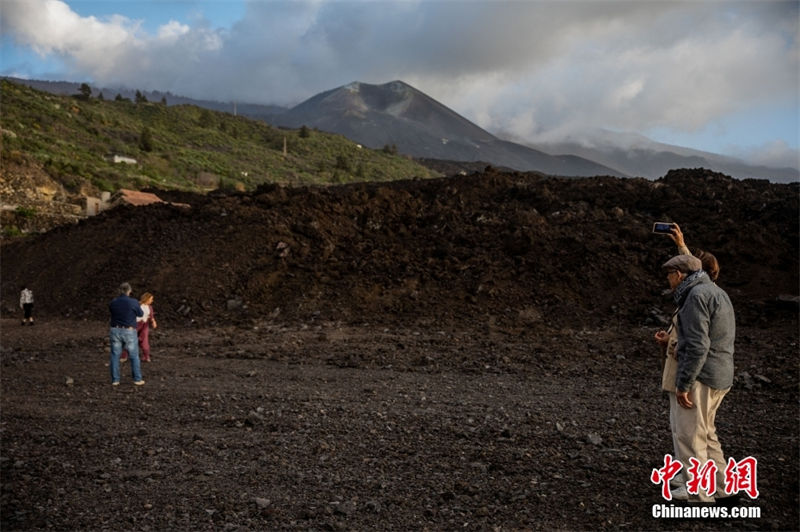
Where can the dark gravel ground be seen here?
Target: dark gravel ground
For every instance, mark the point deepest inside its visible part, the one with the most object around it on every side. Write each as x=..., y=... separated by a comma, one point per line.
x=472, y=352
x=334, y=427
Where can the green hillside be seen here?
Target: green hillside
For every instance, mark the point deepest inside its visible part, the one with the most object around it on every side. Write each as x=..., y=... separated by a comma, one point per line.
x=183, y=147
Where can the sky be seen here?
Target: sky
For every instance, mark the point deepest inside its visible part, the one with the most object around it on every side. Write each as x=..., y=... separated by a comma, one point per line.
x=716, y=75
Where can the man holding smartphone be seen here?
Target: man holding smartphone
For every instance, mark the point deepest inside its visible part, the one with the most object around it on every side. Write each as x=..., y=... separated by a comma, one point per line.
x=706, y=333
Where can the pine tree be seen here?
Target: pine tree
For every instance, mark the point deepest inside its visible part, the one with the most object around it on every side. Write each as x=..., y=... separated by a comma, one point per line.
x=84, y=92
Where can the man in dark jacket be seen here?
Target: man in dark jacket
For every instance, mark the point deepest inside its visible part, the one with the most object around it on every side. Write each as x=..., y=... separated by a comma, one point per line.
x=124, y=311
x=706, y=332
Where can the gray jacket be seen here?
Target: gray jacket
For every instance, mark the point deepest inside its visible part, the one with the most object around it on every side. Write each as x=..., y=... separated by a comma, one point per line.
x=706, y=331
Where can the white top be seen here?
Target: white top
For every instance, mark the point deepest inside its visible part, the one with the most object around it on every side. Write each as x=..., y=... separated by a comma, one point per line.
x=146, y=313
x=26, y=296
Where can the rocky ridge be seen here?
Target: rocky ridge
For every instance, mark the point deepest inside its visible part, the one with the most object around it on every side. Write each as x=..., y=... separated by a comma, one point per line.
x=513, y=248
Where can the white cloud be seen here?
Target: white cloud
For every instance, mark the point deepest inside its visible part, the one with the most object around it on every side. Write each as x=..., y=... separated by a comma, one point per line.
x=685, y=83
x=172, y=31
x=537, y=69
x=50, y=26
x=775, y=154
x=627, y=92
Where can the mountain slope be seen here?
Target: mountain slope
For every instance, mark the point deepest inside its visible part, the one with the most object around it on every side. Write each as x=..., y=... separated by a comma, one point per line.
x=69, y=88
x=397, y=114
x=57, y=150
x=178, y=146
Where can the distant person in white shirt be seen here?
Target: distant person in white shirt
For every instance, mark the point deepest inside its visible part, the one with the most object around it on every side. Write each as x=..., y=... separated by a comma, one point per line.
x=26, y=304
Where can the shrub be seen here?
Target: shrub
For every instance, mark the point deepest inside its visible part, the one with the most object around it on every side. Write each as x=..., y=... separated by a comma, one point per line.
x=72, y=184
x=343, y=163
x=25, y=212
x=229, y=184
x=11, y=231
x=146, y=140
x=206, y=118
x=103, y=184
x=15, y=156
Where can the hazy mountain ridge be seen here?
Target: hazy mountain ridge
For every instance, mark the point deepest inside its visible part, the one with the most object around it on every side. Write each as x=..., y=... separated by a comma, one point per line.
x=635, y=154
x=69, y=88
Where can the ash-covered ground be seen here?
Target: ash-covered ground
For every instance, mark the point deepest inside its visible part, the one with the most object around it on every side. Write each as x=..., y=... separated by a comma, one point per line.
x=472, y=352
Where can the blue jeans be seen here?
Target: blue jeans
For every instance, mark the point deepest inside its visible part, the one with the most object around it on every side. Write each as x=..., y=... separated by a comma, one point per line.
x=124, y=339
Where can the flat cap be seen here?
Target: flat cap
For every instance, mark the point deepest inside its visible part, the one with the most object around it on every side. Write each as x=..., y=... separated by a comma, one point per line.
x=683, y=263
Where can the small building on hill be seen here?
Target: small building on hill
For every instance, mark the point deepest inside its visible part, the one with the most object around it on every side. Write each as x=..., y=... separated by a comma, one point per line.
x=123, y=196
x=93, y=205
x=117, y=159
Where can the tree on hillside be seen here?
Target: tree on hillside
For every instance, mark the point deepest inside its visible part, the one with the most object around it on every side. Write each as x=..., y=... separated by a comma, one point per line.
x=84, y=92
x=101, y=97
x=146, y=140
x=140, y=98
x=304, y=132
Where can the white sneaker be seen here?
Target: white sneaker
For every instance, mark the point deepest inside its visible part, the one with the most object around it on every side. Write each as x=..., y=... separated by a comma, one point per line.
x=680, y=494
x=138, y=383
x=677, y=482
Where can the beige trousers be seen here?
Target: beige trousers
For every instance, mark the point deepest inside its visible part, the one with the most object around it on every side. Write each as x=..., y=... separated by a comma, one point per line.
x=695, y=436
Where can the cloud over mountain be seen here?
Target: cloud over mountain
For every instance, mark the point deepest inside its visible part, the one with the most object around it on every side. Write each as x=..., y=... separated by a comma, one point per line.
x=538, y=70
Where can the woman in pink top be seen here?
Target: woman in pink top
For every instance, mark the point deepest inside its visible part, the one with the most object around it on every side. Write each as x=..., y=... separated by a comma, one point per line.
x=143, y=327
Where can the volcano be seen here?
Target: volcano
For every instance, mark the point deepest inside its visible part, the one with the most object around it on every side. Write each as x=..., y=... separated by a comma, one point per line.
x=398, y=115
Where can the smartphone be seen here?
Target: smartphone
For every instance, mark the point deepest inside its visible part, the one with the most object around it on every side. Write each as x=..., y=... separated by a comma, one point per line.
x=663, y=228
